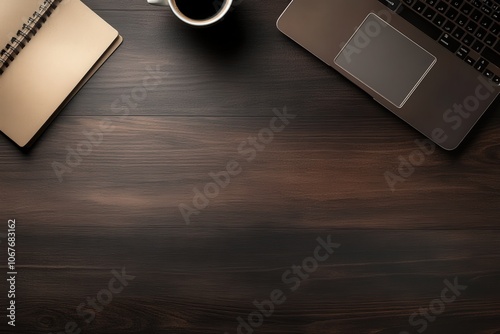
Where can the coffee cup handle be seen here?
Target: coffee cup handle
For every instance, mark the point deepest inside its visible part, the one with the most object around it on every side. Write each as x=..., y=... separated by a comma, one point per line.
x=158, y=2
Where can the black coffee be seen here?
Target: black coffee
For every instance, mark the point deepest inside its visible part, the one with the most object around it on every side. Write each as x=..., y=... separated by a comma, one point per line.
x=199, y=9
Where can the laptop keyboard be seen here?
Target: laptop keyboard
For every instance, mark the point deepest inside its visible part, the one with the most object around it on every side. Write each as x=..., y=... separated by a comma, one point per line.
x=468, y=28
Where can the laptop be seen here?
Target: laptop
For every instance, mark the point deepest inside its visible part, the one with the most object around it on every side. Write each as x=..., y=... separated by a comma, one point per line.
x=433, y=63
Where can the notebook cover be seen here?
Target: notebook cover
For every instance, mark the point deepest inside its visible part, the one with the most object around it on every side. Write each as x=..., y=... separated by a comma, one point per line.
x=70, y=46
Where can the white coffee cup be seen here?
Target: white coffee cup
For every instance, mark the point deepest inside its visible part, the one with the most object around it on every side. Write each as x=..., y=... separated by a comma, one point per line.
x=225, y=5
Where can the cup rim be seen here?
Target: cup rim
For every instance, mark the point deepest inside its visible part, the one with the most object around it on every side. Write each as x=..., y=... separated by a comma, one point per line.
x=201, y=23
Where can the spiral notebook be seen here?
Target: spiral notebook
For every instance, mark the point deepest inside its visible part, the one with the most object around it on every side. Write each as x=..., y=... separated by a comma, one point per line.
x=52, y=48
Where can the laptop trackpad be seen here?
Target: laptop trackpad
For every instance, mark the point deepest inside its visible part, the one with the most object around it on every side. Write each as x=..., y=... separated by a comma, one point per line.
x=385, y=60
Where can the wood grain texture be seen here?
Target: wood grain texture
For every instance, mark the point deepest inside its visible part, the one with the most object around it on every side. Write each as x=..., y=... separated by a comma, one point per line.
x=118, y=207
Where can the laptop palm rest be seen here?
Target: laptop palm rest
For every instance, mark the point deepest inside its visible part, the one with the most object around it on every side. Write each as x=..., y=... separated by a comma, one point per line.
x=385, y=60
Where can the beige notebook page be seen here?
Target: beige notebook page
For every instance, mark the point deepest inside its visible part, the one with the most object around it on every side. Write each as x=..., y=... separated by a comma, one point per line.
x=52, y=64
x=13, y=13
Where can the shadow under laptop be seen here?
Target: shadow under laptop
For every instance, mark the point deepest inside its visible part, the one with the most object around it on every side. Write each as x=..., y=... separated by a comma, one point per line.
x=470, y=142
x=479, y=131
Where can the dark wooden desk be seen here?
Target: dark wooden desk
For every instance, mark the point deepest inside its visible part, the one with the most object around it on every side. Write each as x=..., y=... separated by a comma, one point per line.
x=322, y=175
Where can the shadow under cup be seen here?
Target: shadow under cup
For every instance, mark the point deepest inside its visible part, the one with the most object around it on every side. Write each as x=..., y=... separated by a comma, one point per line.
x=200, y=12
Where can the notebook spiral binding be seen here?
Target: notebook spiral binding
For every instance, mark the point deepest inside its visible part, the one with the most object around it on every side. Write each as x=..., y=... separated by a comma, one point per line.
x=24, y=35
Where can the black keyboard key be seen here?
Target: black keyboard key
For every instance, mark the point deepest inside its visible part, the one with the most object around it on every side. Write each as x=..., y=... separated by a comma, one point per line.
x=496, y=80
x=486, y=22
x=442, y=7
x=480, y=34
x=491, y=56
x=477, y=3
x=462, y=52
x=467, y=9
x=461, y=20
x=490, y=40
x=487, y=73
x=409, y=2
x=481, y=65
x=476, y=15
x=449, y=27
x=477, y=46
x=468, y=40
x=448, y=42
x=457, y=3
x=431, y=2
x=392, y=4
x=469, y=60
x=488, y=3
x=487, y=10
x=429, y=14
x=439, y=20
x=451, y=13
x=471, y=27
x=419, y=6
x=458, y=33
x=495, y=29
x=425, y=26
x=497, y=47
x=496, y=15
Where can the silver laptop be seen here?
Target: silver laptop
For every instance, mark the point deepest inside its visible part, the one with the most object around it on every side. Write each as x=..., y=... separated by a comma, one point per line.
x=433, y=63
